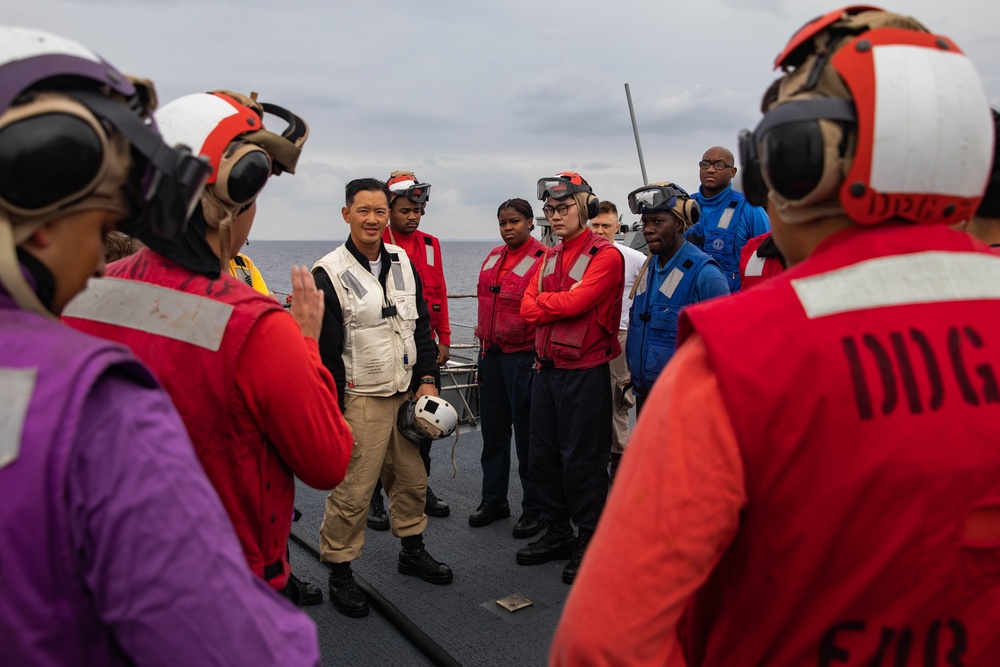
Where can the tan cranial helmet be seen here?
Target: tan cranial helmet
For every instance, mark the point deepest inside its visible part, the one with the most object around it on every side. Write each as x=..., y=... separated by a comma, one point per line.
x=875, y=119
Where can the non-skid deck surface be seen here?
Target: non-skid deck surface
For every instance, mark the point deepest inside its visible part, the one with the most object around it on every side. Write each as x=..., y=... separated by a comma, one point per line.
x=463, y=617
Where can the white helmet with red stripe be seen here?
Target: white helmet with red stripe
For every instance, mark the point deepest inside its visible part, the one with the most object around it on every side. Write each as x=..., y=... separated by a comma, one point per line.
x=876, y=119
x=227, y=128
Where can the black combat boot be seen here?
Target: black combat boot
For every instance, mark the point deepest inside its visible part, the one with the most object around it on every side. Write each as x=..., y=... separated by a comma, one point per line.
x=302, y=593
x=435, y=506
x=345, y=593
x=377, y=518
x=582, y=540
x=416, y=562
x=528, y=525
x=488, y=512
x=555, y=543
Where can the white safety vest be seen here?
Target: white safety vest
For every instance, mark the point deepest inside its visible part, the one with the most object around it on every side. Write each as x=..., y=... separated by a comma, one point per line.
x=379, y=350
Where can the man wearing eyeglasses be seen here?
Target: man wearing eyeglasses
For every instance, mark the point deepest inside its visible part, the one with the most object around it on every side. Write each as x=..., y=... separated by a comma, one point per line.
x=727, y=221
x=676, y=275
x=576, y=306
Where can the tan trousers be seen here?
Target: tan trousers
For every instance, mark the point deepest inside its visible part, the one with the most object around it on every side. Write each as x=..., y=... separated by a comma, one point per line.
x=622, y=399
x=379, y=450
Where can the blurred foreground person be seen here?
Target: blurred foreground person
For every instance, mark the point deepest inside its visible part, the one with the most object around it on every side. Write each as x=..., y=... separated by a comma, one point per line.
x=245, y=376
x=837, y=500
x=116, y=550
x=985, y=224
x=506, y=366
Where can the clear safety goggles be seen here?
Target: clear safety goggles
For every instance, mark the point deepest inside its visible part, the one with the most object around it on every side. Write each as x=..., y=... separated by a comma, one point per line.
x=558, y=187
x=655, y=198
x=418, y=193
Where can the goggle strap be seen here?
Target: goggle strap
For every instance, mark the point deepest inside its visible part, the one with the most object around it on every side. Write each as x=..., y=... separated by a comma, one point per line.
x=165, y=159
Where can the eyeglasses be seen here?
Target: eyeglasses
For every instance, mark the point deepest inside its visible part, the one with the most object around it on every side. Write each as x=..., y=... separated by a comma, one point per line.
x=561, y=209
x=718, y=164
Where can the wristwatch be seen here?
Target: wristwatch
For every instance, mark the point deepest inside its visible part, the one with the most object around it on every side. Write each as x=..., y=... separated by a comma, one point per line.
x=428, y=380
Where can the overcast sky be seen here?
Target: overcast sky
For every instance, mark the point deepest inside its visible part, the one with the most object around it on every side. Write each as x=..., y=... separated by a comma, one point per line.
x=479, y=98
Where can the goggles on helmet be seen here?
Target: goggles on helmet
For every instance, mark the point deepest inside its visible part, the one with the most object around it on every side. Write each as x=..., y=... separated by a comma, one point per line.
x=655, y=198
x=561, y=186
x=418, y=193
x=58, y=153
x=785, y=152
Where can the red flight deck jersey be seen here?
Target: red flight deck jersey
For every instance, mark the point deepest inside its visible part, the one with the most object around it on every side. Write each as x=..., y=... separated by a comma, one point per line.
x=578, y=308
x=254, y=395
x=503, y=279
x=424, y=252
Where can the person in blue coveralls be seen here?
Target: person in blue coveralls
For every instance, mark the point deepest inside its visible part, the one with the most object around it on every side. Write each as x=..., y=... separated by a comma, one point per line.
x=727, y=220
x=676, y=275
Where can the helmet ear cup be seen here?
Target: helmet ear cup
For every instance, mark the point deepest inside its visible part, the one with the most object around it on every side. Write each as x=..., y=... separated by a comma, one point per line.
x=693, y=211
x=793, y=157
x=593, y=207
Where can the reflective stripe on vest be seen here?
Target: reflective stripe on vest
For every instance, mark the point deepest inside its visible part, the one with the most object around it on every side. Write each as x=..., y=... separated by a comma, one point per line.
x=397, y=274
x=17, y=386
x=161, y=311
x=491, y=261
x=900, y=280
x=429, y=243
x=755, y=265
x=671, y=282
x=726, y=217
x=550, y=267
x=580, y=266
x=523, y=266
x=353, y=284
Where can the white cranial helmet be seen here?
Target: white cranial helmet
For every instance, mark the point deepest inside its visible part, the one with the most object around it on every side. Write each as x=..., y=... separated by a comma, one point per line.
x=426, y=417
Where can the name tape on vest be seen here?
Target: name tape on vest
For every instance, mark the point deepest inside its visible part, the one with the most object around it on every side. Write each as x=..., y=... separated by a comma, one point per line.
x=900, y=280
x=17, y=385
x=161, y=311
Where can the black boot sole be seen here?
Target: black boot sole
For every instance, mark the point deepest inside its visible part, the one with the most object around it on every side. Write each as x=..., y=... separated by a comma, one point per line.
x=439, y=579
x=479, y=522
x=350, y=611
x=520, y=533
x=562, y=553
x=437, y=512
x=377, y=525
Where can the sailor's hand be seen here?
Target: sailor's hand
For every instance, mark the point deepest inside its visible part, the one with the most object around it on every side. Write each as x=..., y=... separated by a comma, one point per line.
x=575, y=285
x=444, y=354
x=307, y=302
x=425, y=390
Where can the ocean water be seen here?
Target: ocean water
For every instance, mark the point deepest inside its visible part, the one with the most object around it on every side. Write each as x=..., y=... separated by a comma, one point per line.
x=462, y=261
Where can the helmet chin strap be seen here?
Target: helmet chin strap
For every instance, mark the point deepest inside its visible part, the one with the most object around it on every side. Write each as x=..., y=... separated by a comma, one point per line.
x=11, y=275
